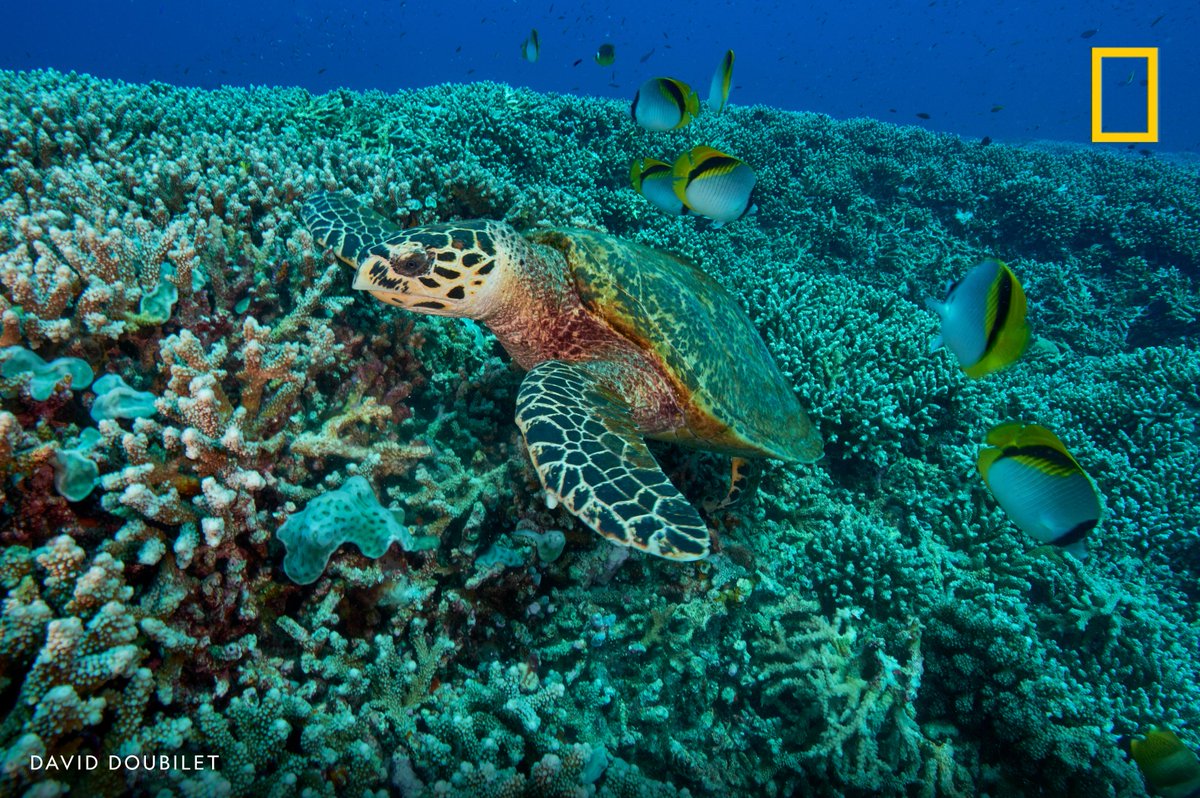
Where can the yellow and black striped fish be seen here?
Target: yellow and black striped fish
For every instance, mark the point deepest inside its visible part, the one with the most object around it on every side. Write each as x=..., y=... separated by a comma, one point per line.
x=1041, y=487
x=664, y=104
x=714, y=184
x=722, y=81
x=983, y=319
x=652, y=179
x=1169, y=766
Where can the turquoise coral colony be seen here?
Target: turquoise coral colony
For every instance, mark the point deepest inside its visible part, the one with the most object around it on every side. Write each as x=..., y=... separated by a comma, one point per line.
x=197, y=413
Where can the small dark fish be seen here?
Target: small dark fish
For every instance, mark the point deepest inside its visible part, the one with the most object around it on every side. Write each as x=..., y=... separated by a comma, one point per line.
x=1087, y=34
x=1157, y=20
x=321, y=71
x=891, y=110
x=922, y=115
x=578, y=61
x=470, y=71
x=1146, y=153
x=614, y=85
x=646, y=57
x=986, y=140
x=997, y=109
x=458, y=49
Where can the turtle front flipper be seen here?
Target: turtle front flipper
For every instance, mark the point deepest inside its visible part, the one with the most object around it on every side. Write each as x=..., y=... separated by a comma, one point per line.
x=590, y=456
x=345, y=226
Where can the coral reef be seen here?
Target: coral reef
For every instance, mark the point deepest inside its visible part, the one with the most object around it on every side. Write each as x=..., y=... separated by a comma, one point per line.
x=871, y=624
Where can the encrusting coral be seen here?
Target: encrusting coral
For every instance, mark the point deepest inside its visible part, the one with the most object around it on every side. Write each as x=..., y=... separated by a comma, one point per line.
x=872, y=624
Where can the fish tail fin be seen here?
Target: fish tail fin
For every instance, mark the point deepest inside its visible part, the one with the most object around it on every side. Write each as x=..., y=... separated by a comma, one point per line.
x=679, y=178
x=939, y=308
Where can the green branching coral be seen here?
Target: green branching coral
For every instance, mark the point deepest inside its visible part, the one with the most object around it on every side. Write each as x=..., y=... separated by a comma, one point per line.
x=68, y=648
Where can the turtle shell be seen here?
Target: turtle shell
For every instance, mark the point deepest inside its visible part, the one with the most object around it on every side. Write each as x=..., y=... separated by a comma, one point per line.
x=736, y=400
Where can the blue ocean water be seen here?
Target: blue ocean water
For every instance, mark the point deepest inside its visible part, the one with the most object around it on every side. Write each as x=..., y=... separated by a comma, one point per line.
x=1011, y=71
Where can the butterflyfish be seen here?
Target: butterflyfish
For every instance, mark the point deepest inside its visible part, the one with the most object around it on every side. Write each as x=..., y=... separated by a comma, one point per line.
x=983, y=319
x=722, y=80
x=652, y=179
x=606, y=54
x=531, y=48
x=714, y=184
x=1169, y=766
x=664, y=104
x=1040, y=486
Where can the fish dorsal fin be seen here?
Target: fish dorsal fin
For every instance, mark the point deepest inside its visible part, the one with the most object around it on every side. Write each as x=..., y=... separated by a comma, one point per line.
x=1020, y=439
x=1005, y=434
x=1037, y=435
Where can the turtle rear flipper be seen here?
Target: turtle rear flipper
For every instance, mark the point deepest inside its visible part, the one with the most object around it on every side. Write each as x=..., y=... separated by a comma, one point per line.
x=743, y=478
x=590, y=456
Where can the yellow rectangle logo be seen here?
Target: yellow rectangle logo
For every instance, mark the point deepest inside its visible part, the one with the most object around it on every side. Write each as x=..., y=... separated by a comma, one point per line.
x=1151, y=131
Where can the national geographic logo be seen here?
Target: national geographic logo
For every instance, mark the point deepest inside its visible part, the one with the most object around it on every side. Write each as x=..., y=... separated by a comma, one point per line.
x=1151, y=85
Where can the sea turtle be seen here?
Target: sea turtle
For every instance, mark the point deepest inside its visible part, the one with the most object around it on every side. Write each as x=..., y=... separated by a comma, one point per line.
x=620, y=342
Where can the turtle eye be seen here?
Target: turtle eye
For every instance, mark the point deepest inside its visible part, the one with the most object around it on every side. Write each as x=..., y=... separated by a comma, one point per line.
x=410, y=264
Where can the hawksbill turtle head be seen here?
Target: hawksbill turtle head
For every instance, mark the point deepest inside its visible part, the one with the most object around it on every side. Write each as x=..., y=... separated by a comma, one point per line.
x=453, y=269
